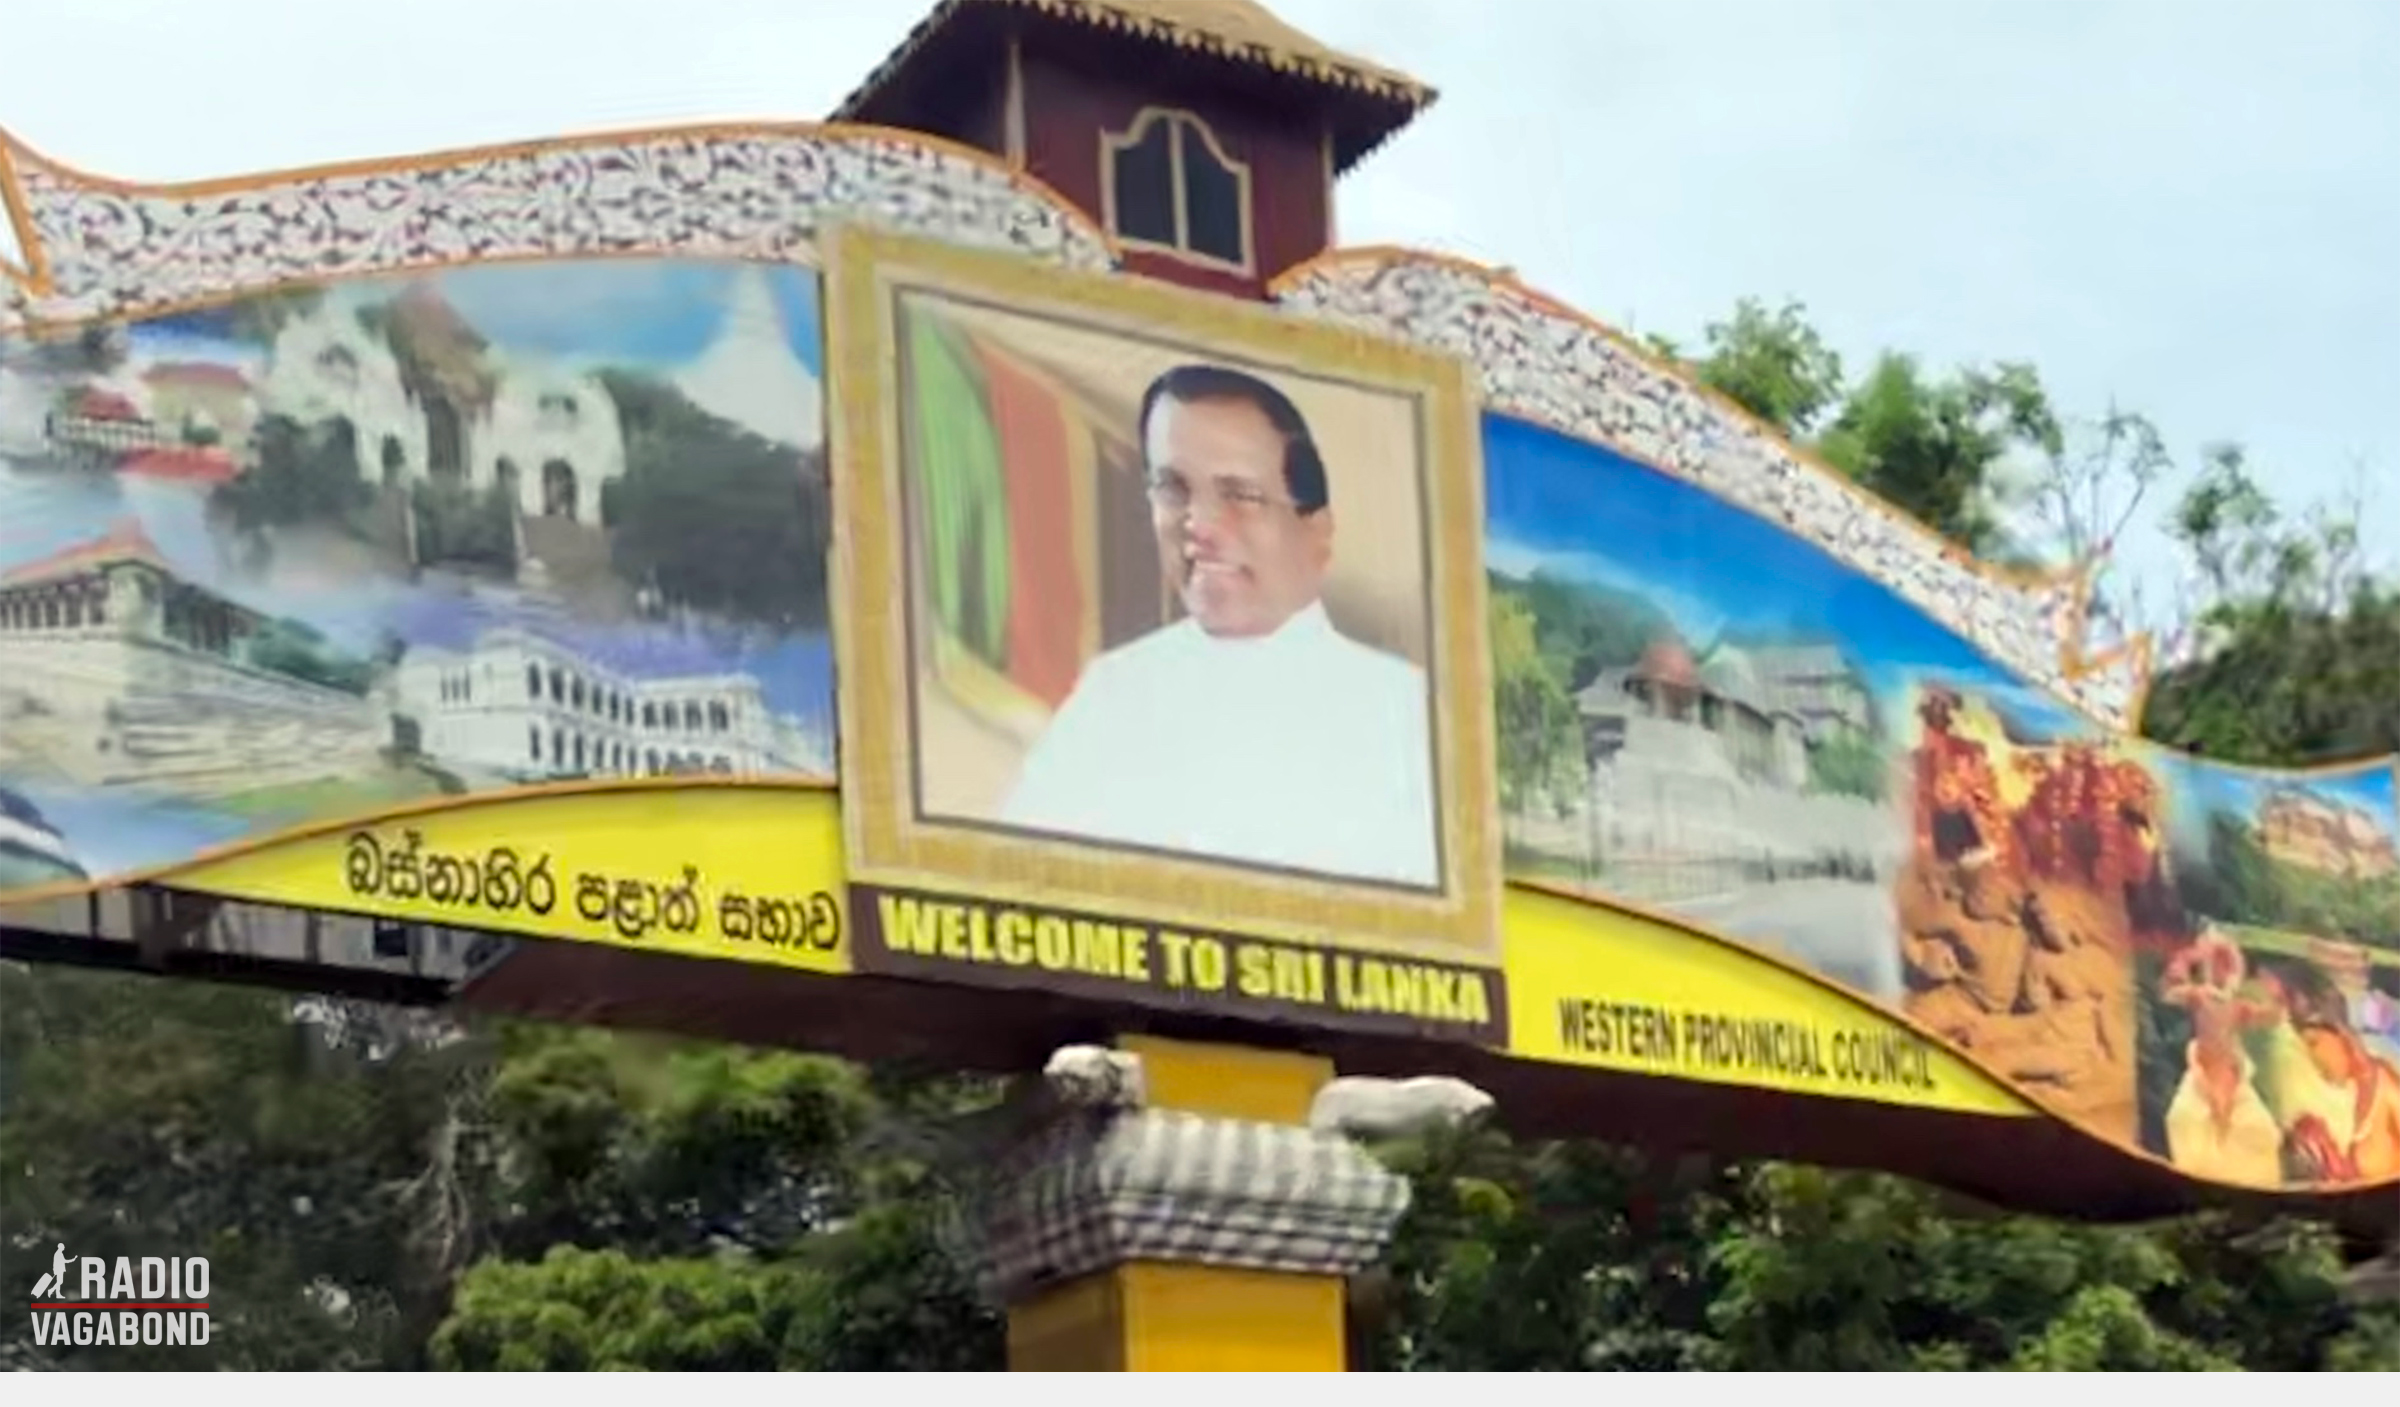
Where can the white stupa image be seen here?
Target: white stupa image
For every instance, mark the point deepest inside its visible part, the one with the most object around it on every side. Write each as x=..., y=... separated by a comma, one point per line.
x=751, y=376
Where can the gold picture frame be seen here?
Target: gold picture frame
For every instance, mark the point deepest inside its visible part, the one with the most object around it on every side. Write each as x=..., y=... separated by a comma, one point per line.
x=890, y=842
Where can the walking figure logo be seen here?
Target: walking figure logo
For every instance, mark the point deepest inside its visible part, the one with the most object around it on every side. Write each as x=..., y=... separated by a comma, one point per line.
x=121, y=1301
x=54, y=1283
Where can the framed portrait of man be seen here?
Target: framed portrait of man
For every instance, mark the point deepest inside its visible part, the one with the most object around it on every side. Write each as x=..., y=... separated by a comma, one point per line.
x=1157, y=604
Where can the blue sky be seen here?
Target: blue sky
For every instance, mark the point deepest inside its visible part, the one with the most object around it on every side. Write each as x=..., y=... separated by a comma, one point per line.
x=2166, y=204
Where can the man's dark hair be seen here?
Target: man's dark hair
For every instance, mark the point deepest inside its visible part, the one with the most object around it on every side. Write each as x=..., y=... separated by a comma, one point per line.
x=1303, y=467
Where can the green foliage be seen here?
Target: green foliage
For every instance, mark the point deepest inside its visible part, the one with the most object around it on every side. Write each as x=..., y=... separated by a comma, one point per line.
x=1936, y=448
x=1849, y=764
x=666, y=1148
x=715, y=517
x=1582, y=628
x=1773, y=364
x=1541, y=752
x=2295, y=655
x=884, y=1294
x=602, y=1311
x=296, y=648
x=1546, y=1256
x=145, y=1117
x=301, y=474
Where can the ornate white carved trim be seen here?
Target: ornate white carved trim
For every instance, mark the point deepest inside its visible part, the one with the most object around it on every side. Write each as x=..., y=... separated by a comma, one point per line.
x=1557, y=370
x=760, y=193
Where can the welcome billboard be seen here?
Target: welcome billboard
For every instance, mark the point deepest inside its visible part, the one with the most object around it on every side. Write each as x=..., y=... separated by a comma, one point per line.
x=886, y=589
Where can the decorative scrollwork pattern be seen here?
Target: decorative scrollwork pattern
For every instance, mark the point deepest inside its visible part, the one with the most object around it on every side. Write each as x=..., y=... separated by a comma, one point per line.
x=1560, y=371
x=756, y=193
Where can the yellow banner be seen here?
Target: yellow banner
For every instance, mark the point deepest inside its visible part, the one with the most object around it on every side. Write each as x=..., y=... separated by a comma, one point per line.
x=749, y=875
x=1592, y=986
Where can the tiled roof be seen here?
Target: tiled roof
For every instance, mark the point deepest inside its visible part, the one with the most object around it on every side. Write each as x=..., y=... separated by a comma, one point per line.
x=125, y=542
x=1241, y=31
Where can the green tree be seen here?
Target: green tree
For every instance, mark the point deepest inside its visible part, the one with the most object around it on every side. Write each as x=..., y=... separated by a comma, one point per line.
x=302, y=474
x=1774, y=364
x=145, y=1117
x=1540, y=751
x=1938, y=449
x=1849, y=764
x=2290, y=651
x=577, y=1311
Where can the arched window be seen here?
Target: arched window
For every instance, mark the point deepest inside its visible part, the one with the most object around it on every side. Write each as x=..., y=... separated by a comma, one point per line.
x=558, y=490
x=1168, y=185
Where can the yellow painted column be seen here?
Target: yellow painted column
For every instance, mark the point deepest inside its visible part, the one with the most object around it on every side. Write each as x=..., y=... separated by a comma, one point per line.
x=1164, y=1306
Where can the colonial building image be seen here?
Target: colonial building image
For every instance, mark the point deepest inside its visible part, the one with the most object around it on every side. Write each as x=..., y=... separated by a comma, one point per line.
x=1707, y=790
x=1758, y=727
x=549, y=437
x=525, y=707
x=119, y=672
x=200, y=402
x=1703, y=793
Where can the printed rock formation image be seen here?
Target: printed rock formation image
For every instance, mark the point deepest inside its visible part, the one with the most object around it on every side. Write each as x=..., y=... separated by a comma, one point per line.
x=2034, y=870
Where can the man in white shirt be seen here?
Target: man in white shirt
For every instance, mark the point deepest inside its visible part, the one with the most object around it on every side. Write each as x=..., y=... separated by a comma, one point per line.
x=1250, y=730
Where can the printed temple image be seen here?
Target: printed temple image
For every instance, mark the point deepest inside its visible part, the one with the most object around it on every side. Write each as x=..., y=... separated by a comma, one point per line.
x=1166, y=601
x=330, y=549
x=1701, y=716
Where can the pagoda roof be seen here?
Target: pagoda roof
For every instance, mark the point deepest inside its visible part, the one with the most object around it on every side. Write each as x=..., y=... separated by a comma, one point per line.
x=1240, y=33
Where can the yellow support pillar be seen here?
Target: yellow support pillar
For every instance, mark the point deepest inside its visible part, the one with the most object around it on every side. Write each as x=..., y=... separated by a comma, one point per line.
x=1208, y=1230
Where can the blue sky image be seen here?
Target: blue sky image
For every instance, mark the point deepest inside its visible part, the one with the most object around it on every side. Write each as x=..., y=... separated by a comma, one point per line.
x=617, y=312
x=1580, y=512
x=2205, y=787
